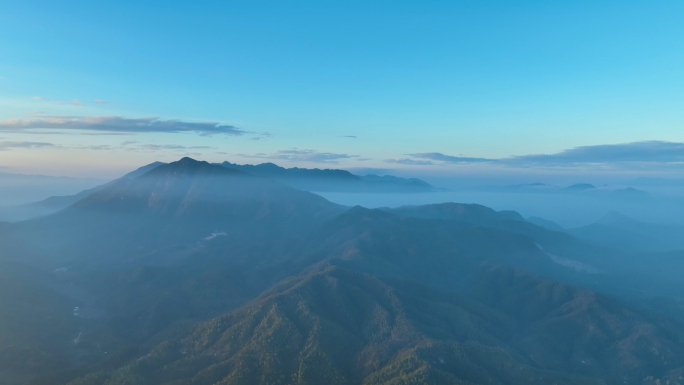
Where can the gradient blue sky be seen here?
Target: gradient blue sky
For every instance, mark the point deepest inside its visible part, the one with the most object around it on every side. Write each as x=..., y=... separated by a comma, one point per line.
x=477, y=81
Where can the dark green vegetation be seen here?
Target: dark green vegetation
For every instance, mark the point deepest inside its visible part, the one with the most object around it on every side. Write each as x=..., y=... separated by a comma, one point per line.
x=192, y=273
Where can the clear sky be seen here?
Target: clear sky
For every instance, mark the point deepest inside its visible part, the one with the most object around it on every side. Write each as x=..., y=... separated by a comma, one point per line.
x=406, y=85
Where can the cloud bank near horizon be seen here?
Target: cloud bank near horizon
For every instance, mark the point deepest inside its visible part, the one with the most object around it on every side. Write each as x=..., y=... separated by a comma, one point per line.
x=654, y=153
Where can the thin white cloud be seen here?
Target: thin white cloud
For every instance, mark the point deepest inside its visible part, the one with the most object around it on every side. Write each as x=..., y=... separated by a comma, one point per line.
x=12, y=145
x=117, y=124
x=262, y=135
x=411, y=162
x=297, y=155
x=631, y=154
x=436, y=156
x=100, y=101
x=96, y=147
x=74, y=102
x=155, y=147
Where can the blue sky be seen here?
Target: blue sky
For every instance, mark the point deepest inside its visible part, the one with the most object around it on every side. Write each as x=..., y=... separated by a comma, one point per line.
x=339, y=84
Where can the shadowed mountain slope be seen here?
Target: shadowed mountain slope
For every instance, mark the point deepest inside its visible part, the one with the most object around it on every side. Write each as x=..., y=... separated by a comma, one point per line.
x=36, y=324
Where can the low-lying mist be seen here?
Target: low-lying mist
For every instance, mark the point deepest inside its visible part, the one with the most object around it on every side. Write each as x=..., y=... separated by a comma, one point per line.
x=566, y=210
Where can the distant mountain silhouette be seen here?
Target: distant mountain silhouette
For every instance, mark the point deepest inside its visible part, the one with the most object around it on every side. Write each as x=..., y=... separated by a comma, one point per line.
x=332, y=180
x=580, y=187
x=327, y=180
x=631, y=194
x=551, y=225
x=470, y=213
x=622, y=232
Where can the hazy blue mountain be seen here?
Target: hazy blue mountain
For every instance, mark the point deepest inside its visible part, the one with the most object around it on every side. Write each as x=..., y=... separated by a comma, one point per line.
x=562, y=256
x=631, y=193
x=331, y=180
x=55, y=203
x=580, y=187
x=469, y=213
x=551, y=225
x=622, y=232
x=565, y=248
x=390, y=179
x=175, y=204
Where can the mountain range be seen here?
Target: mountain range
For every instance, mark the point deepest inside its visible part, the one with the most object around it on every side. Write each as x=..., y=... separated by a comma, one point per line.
x=618, y=231
x=627, y=193
x=331, y=180
x=196, y=273
x=328, y=180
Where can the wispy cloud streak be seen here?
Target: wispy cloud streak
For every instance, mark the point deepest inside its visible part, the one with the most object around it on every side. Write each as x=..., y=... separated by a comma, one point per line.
x=410, y=162
x=117, y=124
x=12, y=145
x=297, y=155
x=649, y=152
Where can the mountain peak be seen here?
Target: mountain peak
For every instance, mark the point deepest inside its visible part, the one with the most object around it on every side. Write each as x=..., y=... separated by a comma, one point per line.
x=332, y=180
x=187, y=159
x=581, y=187
x=190, y=167
x=189, y=162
